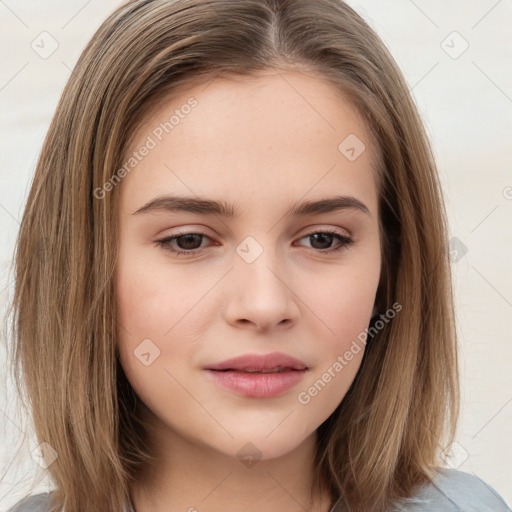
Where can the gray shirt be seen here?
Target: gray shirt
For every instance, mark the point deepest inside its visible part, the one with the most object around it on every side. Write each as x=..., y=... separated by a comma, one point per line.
x=450, y=491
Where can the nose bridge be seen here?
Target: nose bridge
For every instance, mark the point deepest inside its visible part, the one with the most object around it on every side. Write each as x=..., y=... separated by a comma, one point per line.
x=258, y=263
x=259, y=291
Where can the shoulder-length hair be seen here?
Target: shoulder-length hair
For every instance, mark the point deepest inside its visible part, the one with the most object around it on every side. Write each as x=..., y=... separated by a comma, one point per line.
x=386, y=436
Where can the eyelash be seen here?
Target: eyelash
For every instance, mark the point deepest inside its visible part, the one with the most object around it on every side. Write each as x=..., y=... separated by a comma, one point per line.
x=165, y=242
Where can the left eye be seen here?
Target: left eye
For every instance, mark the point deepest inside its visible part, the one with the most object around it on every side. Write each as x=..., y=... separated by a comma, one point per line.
x=190, y=242
x=328, y=236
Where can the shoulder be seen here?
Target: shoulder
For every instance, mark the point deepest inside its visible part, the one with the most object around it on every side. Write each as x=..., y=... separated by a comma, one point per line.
x=452, y=490
x=34, y=503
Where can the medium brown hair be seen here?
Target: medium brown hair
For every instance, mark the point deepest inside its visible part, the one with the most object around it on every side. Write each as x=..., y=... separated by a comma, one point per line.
x=386, y=436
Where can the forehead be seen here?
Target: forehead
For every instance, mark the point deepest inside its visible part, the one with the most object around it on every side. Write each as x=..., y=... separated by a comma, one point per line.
x=269, y=134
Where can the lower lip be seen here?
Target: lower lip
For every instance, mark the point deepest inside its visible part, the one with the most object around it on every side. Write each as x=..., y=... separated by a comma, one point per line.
x=257, y=385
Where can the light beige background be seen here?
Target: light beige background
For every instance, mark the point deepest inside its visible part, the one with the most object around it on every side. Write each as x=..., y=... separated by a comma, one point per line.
x=465, y=98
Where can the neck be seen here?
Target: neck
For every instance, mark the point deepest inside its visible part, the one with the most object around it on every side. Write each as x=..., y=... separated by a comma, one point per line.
x=199, y=478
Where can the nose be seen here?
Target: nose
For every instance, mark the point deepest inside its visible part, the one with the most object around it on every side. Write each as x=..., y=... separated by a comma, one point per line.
x=261, y=294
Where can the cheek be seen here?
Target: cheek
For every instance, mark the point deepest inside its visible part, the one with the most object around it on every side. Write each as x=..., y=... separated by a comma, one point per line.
x=152, y=299
x=341, y=304
x=343, y=300
x=152, y=318
x=159, y=313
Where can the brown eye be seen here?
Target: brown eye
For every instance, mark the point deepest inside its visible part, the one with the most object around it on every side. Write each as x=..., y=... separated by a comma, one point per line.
x=186, y=243
x=321, y=240
x=189, y=241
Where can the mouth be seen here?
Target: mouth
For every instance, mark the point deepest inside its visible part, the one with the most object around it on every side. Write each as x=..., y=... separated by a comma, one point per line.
x=258, y=375
x=261, y=370
x=273, y=362
x=254, y=383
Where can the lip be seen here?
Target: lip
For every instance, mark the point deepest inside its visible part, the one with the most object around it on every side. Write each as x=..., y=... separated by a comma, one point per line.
x=260, y=362
x=232, y=374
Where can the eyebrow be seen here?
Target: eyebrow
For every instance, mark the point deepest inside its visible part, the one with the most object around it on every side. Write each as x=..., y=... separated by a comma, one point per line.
x=190, y=204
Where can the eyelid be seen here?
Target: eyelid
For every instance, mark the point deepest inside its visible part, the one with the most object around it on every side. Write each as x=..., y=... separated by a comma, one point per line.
x=309, y=231
x=315, y=228
x=344, y=241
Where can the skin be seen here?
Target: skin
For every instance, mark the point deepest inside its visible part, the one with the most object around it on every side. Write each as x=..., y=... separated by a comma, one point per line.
x=260, y=143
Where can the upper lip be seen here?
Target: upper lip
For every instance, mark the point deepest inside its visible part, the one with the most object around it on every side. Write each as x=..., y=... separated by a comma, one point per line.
x=256, y=362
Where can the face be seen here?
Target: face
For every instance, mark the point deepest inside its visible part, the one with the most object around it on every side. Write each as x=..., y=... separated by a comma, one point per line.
x=197, y=285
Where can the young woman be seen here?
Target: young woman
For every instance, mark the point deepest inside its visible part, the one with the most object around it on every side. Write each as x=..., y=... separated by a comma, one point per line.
x=232, y=279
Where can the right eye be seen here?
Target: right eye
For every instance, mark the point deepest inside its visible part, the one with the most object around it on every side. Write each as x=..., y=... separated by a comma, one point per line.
x=189, y=243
